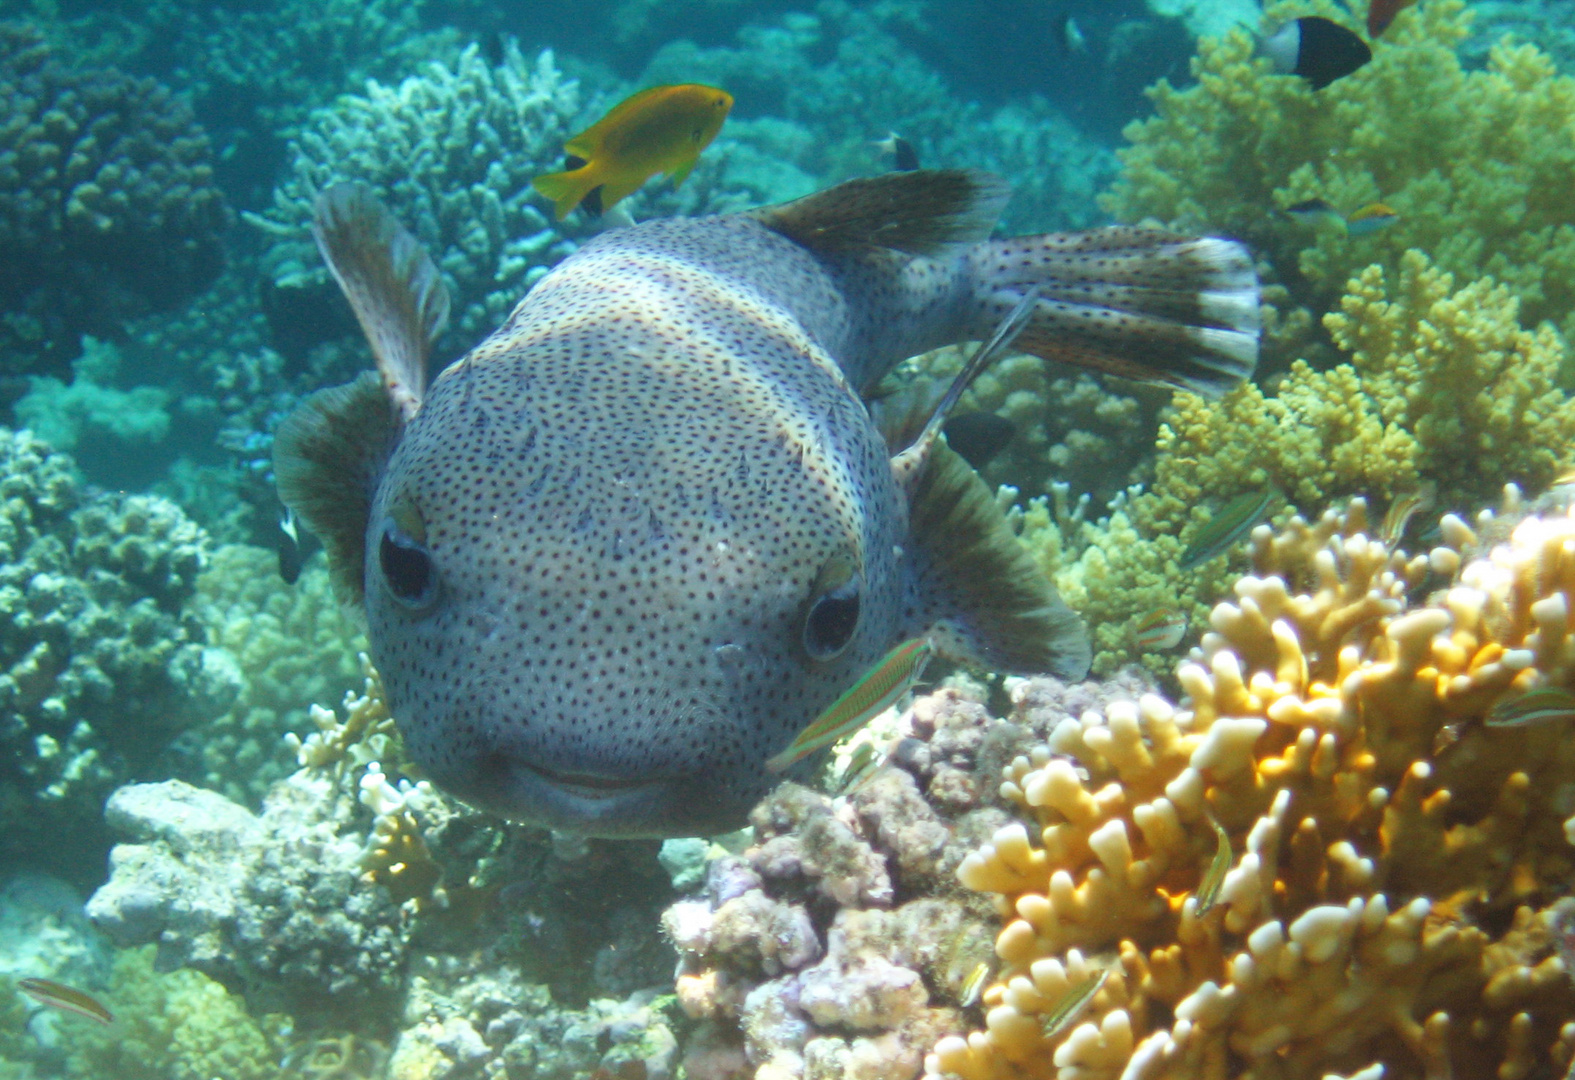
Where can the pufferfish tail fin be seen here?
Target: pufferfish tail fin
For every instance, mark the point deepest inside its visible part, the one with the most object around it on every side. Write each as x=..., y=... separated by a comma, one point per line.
x=1141, y=303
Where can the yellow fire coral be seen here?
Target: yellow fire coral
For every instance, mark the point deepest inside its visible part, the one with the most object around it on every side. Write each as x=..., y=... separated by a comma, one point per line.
x=1475, y=163
x=1393, y=862
x=1443, y=384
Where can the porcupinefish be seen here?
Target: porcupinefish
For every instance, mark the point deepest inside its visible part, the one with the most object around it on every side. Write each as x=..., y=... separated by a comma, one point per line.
x=624, y=550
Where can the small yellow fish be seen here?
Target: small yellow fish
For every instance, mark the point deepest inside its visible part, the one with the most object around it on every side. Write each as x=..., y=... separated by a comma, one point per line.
x=860, y=703
x=65, y=998
x=1160, y=629
x=1545, y=705
x=973, y=985
x=1214, y=877
x=1078, y=997
x=662, y=129
x=1369, y=219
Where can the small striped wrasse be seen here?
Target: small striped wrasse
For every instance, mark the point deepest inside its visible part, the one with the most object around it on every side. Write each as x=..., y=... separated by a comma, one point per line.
x=1227, y=528
x=66, y=999
x=861, y=702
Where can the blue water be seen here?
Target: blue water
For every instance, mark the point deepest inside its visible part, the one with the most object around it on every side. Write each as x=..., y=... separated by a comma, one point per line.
x=159, y=319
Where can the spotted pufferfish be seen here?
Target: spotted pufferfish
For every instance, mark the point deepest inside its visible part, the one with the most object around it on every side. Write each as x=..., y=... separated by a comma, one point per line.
x=620, y=553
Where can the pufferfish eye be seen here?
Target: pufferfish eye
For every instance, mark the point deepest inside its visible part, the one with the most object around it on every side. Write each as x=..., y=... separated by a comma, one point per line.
x=403, y=558
x=832, y=614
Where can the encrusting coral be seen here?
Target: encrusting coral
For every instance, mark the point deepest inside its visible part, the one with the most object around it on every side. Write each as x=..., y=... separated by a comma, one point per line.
x=1392, y=859
x=1442, y=385
x=1473, y=162
x=1322, y=862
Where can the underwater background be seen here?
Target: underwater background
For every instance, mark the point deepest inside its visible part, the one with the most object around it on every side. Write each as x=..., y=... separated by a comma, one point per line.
x=1312, y=813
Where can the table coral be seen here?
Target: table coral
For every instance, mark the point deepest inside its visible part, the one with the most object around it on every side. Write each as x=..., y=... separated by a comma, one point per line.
x=1473, y=161
x=1393, y=860
x=107, y=202
x=101, y=668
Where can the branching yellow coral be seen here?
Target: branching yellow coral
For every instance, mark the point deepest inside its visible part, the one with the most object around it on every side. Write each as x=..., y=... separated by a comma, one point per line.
x=1394, y=863
x=1475, y=163
x=366, y=734
x=1443, y=384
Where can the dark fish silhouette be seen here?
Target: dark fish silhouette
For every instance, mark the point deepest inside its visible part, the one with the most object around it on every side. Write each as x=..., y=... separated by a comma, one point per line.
x=1317, y=49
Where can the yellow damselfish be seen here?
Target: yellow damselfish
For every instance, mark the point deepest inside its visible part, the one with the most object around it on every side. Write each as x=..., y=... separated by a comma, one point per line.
x=660, y=130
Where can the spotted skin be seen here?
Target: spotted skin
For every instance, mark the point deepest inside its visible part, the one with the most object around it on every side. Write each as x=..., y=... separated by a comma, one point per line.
x=631, y=491
x=628, y=492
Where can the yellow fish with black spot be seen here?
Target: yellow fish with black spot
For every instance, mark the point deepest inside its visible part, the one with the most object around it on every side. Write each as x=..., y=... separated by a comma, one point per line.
x=660, y=130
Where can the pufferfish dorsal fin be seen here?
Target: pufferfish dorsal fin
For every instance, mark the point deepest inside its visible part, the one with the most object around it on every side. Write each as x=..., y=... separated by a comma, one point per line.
x=326, y=458
x=919, y=213
x=989, y=603
x=391, y=283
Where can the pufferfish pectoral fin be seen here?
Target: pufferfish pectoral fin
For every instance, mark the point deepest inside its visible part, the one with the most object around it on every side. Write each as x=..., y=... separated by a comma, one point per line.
x=980, y=592
x=327, y=455
x=925, y=212
x=390, y=282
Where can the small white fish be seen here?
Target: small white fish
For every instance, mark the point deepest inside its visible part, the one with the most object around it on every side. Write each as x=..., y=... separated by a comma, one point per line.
x=1160, y=629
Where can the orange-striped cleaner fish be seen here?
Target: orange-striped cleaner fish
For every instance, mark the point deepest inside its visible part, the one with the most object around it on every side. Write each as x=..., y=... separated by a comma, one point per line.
x=1227, y=528
x=660, y=130
x=1544, y=705
x=860, y=703
x=1160, y=629
x=1380, y=13
x=66, y=999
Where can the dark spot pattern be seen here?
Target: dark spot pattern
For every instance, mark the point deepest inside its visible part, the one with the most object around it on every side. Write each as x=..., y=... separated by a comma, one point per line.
x=628, y=492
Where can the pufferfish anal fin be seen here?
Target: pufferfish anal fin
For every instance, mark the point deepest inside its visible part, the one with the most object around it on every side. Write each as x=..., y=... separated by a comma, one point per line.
x=919, y=213
x=980, y=594
x=327, y=455
x=390, y=282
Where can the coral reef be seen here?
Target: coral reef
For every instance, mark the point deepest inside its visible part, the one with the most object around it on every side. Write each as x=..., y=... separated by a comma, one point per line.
x=837, y=944
x=100, y=666
x=271, y=904
x=107, y=202
x=469, y=1017
x=1385, y=891
x=1471, y=161
x=179, y=1025
x=452, y=153
x=1392, y=858
x=292, y=644
x=1441, y=385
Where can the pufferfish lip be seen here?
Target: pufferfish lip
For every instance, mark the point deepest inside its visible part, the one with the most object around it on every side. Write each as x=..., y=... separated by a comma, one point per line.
x=586, y=784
